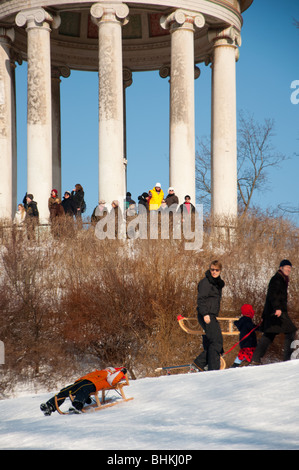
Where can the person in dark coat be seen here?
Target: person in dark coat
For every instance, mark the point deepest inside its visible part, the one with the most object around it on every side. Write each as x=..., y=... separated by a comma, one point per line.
x=187, y=207
x=143, y=201
x=68, y=204
x=78, y=198
x=129, y=201
x=247, y=331
x=30, y=206
x=171, y=198
x=32, y=215
x=208, y=307
x=275, y=318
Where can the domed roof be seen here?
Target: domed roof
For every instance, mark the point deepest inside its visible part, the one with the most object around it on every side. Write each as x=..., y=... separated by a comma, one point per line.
x=146, y=45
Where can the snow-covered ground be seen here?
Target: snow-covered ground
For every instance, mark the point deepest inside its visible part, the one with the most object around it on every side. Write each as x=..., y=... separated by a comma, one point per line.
x=247, y=408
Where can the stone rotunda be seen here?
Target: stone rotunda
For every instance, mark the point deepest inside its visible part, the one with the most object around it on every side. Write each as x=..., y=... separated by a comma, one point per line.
x=116, y=39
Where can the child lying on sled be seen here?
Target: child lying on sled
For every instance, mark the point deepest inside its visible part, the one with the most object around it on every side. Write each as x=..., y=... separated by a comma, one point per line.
x=83, y=387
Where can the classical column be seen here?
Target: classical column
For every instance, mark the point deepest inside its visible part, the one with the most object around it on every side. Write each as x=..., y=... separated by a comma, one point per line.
x=181, y=24
x=39, y=113
x=8, y=157
x=57, y=72
x=224, y=127
x=109, y=18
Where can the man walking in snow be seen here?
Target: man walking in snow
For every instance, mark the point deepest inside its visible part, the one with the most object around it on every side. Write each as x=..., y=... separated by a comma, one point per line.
x=275, y=318
x=208, y=307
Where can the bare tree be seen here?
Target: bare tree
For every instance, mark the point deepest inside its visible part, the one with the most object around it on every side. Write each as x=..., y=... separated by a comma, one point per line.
x=288, y=209
x=256, y=154
x=203, y=171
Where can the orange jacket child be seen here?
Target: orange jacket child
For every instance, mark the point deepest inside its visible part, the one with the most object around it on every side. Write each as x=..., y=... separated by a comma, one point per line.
x=83, y=387
x=104, y=378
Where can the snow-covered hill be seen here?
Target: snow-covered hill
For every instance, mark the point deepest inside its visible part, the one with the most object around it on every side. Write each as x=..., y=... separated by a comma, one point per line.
x=248, y=408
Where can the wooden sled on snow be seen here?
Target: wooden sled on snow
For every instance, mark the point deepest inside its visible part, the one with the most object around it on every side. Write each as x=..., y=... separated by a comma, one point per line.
x=191, y=325
x=104, y=402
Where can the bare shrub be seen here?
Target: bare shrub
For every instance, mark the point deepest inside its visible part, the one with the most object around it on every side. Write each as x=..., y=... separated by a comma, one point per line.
x=125, y=315
x=29, y=318
x=75, y=302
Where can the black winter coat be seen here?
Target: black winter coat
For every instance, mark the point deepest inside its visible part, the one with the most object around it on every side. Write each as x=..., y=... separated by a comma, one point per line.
x=69, y=206
x=209, y=296
x=245, y=325
x=32, y=210
x=78, y=198
x=277, y=299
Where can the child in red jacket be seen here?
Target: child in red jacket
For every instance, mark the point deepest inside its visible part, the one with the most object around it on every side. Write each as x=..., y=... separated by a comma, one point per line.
x=245, y=325
x=83, y=387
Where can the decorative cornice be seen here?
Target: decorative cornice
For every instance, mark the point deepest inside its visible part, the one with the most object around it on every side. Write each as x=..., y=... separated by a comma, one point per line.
x=227, y=11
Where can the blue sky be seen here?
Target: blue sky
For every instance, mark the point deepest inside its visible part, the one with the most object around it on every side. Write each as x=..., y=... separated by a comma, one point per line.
x=267, y=67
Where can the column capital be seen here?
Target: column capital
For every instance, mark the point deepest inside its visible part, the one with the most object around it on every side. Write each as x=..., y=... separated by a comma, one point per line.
x=60, y=71
x=223, y=37
x=7, y=33
x=164, y=71
x=182, y=18
x=109, y=12
x=127, y=77
x=37, y=17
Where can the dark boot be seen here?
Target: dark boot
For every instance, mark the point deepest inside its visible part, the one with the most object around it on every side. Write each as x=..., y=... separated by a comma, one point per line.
x=78, y=405
x=47, y=408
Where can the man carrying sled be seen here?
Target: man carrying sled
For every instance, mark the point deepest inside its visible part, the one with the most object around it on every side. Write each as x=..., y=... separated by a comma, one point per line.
x=83, y=387
x=208, y=306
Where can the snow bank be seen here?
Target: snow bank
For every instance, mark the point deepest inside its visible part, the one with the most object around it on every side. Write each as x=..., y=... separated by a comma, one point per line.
x=246, y=408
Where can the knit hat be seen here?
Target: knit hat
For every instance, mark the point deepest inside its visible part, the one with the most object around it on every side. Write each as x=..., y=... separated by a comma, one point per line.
x=285, y=262
x=247, y=310
x=54, y=191
x=158, y=185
